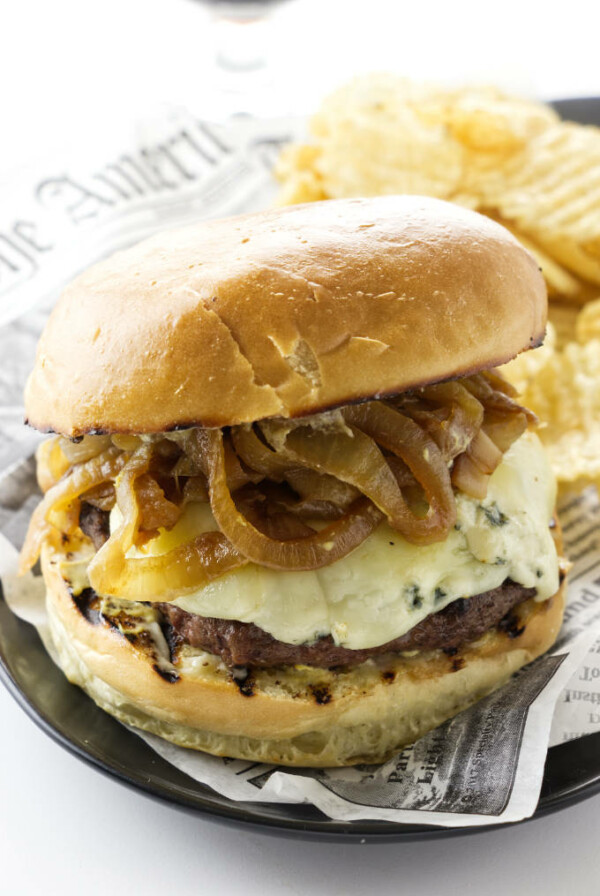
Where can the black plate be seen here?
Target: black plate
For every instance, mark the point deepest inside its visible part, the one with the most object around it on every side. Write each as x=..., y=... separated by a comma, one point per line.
x=572, y=770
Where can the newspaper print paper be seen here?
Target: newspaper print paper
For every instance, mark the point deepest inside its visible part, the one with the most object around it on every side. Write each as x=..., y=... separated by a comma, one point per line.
x=484, y=766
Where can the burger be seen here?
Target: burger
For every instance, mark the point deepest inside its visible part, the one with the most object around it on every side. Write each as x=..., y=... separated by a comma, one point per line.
x=292, y=512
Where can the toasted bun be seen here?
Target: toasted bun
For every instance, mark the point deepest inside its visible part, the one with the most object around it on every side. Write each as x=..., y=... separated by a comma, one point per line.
x=290, y=715
x=287, y=312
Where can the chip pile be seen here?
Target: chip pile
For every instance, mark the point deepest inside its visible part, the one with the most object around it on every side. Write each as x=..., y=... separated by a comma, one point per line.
x=514, y=160
x=562, y=386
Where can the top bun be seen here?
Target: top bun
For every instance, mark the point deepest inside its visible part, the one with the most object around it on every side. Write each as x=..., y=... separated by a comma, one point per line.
x=286, y=312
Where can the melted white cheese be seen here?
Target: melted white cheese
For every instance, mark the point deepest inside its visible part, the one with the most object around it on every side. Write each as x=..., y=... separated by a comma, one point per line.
x=386, y=586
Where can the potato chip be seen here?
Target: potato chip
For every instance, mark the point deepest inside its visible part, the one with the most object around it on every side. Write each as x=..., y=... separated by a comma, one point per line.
x=374, y=140
x=565, y=394
x=587, y=325
x=523, y=369
x=575, y=257
x=493, y=129
x=384, y=134
x=483, y=119
x=560, y=382
x=560, y=283
x=550, y=191
x=510, y=158
x=296, y=169
x=563, y=317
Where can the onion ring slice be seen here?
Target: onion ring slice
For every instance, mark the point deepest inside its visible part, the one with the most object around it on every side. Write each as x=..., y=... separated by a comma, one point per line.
x=403, y=437
x=277, y=466
x=258, y=456
x=52, y=463
x=53, y=511
x=454, y=435
x=311, y=552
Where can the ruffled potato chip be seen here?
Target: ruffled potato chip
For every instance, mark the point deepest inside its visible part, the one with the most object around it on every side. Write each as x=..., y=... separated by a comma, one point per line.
x=563, y=317
x=550, y=192
x=587, y=325
x=560, y=382
x=375, y=138
x=510, y=158
x=561, y=284
x=524, y=368
x=297, y=170
x=563, y=389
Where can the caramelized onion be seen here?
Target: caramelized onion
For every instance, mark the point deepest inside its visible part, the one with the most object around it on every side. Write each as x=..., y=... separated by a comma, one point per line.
x=350, y=468
x=257, y=455
x=484, y=453
x=407, y=440
x=195, y=489
x=454, y=434
x=349, y=455
x=52, y=464
x=277, y=467
x=53, y=510
x=272, y=520
x=468, y=478
x=310, y=552
x=185, y=466
x=494, y=399
x=162, y=578
x=404, y=477
x=78, y=452
x=101, y=496
x=499, y=383
x=504, y=428
x=183, y=570
x=237, y=476
x=157, y=511
x=320, y=488
x=354, y=457
x=282, y=498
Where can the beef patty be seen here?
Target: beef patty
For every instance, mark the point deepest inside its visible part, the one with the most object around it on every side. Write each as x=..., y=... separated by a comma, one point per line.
x=245, y=644
x=94, y=523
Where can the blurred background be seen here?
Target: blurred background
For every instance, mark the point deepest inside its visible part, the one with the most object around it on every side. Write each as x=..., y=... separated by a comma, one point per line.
x=71, y=68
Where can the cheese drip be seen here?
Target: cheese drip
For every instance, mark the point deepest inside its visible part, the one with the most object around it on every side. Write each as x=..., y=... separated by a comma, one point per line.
x=387, y=586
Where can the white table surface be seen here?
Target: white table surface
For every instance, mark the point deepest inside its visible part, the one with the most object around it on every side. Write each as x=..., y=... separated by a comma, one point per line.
x=65, y=829
x=68, y=67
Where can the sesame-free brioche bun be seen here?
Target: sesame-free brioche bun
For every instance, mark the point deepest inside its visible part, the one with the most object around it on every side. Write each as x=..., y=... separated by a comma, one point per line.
x=290, y=715
x=284, y=313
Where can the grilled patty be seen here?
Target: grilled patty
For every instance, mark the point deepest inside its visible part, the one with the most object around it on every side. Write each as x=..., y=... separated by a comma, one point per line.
x=94, y=523
x=245, y=644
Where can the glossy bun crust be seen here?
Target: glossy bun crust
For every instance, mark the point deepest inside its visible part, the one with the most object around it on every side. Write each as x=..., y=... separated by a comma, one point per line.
x=286, y=312
x=289, y=715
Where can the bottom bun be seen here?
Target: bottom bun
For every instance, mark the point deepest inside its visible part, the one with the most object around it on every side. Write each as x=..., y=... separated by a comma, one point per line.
x=288, y=715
